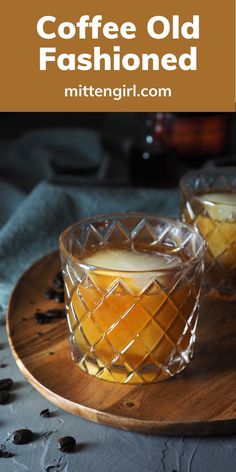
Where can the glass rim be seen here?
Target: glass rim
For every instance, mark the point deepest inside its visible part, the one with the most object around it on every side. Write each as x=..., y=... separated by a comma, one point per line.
x=183, y=188
x=196, y=258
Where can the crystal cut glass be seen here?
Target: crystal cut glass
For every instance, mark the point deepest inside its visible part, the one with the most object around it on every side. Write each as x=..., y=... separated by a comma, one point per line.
x=208, y=201
x=132, y=284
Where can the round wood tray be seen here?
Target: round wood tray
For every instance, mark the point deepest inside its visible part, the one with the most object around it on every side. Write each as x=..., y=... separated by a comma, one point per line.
x=200, y=400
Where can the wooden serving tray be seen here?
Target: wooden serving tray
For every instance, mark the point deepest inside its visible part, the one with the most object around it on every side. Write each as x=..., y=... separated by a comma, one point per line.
x=201, y=400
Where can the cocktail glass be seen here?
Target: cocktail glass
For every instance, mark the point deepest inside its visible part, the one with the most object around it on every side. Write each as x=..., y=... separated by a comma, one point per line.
x=132, y=285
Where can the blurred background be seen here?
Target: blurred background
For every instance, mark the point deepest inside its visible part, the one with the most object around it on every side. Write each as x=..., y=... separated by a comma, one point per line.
x=123, y=149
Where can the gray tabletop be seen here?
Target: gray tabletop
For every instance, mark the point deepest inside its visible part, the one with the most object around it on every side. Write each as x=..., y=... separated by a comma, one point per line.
x=31, y=218
x=100, y=448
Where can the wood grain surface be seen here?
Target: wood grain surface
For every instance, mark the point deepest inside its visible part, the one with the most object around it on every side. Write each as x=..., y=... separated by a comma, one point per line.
x=199, y=401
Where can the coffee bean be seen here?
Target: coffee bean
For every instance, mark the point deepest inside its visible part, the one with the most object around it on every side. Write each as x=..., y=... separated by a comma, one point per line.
x=55, y=314
x=49, y=315
x=22, y=436
x=50, y=294
x=59, y=297
x=6, y=454
x=41, y=318
x=58, y=281
x=4, y=397
x=66, y=444
x=2, y=365
x=6, y=384
x=45, y=413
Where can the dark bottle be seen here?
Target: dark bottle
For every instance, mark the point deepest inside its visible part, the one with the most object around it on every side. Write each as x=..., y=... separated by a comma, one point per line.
x=169, y=144
x=152, y=162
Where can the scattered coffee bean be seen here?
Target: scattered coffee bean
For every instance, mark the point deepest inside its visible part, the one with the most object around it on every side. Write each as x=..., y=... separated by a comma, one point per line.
x=66, y=444
x=59, y=297
x=6, y=454
x=50, y=294
x=55, y=314
x=45, y=413
x=22, y=436
x=6, y=384
x=2, y=366
x=58, y=281
x=48, y=316
x=41, y=318
x=4, y=396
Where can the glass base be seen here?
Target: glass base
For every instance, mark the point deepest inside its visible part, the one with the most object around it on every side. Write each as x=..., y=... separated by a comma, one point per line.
x=123, y=374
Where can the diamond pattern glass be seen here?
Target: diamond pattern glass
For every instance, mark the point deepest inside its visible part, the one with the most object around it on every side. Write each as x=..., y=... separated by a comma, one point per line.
x=132, y=326
x=216, y=221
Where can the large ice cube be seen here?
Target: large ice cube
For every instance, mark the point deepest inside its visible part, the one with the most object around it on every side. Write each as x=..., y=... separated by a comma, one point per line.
x=127, y=260
x=131, y=265
x=220, y=206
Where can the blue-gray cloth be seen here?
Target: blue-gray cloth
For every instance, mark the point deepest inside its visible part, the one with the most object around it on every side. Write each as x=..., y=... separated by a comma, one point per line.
x=32, y=219
x=31, y=226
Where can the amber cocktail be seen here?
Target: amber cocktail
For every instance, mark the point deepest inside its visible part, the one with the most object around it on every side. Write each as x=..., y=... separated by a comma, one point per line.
x=132, y=295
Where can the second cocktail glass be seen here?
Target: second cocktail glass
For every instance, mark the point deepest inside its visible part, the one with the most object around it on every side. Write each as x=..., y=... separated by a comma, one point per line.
x=208, y=201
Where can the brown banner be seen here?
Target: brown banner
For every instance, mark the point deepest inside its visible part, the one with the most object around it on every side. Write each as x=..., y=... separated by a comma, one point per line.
x=189, y=44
